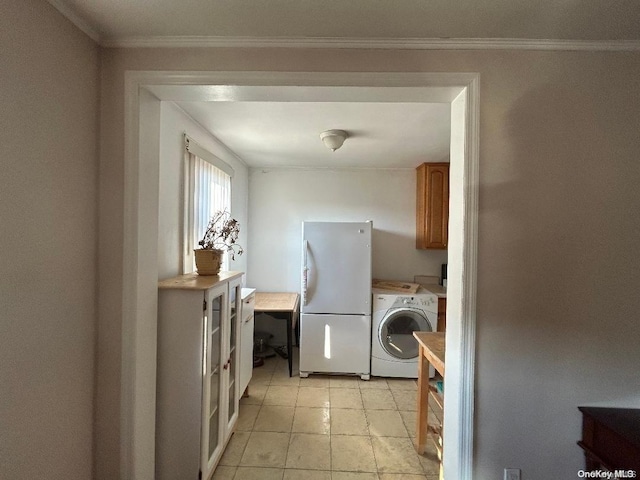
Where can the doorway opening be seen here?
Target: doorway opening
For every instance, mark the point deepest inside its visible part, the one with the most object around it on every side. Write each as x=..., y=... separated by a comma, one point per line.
x=144, y=91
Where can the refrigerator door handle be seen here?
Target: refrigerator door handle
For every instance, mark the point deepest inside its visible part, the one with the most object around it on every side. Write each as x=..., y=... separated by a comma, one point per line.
x=305, y=270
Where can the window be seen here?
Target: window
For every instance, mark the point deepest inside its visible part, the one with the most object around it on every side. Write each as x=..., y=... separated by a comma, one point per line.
x=207, y=190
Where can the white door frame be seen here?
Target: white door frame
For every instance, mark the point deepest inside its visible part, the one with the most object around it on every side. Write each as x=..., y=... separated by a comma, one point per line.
x=139, y=309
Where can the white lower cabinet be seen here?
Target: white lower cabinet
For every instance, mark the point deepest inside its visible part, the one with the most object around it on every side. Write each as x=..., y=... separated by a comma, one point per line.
x=246, y=337
x=198, y=373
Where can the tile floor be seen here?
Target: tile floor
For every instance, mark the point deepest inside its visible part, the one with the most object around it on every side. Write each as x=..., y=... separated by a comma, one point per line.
x=325, y=428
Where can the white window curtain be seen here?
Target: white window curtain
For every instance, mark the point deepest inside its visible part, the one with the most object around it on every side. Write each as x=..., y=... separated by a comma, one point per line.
x=208, y=190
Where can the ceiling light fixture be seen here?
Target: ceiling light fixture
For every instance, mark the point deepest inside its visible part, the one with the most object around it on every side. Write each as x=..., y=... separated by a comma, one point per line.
x=333, y=139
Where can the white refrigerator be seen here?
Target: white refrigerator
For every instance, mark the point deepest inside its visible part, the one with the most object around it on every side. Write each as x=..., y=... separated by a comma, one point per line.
x=335, y=319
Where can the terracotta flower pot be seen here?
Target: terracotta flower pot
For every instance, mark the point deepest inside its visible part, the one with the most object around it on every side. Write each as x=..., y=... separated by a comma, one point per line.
x=208, y=262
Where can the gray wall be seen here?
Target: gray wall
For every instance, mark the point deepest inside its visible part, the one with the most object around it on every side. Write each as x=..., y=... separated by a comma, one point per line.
x=48, y=211
x=558, y=258
x=557, y=284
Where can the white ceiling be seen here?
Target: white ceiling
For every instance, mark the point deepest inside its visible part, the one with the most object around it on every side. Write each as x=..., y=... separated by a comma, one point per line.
x=381, y=135
x=276, y=126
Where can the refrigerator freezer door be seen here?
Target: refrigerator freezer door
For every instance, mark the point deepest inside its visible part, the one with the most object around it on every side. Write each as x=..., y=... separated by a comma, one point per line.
x=336, y=270
x=335, y=344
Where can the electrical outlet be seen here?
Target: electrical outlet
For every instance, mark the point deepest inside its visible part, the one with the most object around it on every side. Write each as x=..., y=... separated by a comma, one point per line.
x=511, y=474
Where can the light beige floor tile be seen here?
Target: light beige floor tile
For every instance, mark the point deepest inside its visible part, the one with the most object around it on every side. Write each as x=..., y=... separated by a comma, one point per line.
x=266, y=449
x=409, y=419
x=281, y=377
x=223, y=472
x=402, y=476
x=354, y=476
x=345, y=398
x=296, y=474
x=405, y=399
x=402, y=384
x=371, y=444
x=432, y=413
x=313, y=397
x=278, y=363
x=282, y=368
x=348, y=422
x=269, y=364
x=378, y=399
x=432, y=469
x=256, y=394
x=247, y=417
x=344, y=382
x=429, y=460
x=396, y=455
x=283, y=373
x=312, y=420
x=261, y=376
x=274, y=418
x=309, y=452
x=256, y=473
x=280, y=395
x=235, y=449
x=385, y=423
x=315, y=381
x=352, y=453
x=374, y=383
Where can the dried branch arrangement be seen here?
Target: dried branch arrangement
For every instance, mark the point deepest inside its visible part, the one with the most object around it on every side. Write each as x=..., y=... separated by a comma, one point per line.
x=222, y=234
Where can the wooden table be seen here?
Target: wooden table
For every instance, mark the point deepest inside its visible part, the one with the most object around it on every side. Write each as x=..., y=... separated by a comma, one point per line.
x=431, y=352
x=282, y=306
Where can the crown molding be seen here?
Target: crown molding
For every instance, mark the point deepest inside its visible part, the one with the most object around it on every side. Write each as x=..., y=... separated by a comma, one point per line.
x=343, y=42
x=373, y=43
x=77, y=20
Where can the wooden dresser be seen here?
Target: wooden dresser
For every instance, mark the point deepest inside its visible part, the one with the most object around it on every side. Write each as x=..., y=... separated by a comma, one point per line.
x=611, y=438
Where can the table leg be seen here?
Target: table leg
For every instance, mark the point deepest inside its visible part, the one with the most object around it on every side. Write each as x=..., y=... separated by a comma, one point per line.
x=289, y=347
x=423, y=402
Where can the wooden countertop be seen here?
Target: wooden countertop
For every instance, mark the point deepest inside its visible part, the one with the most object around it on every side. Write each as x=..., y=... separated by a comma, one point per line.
x=193, y=281
x=438, y=290
x=433, y=345
x=277, y=302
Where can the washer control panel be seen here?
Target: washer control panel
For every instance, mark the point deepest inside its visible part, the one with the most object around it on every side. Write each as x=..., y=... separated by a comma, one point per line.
x=422, y=300
x=427, y=302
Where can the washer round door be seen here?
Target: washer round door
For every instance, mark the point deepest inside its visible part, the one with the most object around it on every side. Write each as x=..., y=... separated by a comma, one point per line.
x=396, y=332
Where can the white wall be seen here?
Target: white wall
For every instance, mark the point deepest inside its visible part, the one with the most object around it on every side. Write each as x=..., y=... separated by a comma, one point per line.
x=557, y=279
x=174, y=123
x=281, y=199
x=48, y=236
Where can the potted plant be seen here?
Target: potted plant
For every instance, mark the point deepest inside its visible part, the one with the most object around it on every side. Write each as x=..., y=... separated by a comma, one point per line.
x=221, y=236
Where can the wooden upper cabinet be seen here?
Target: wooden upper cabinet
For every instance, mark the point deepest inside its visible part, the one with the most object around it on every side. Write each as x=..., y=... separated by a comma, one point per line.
x=432, y=212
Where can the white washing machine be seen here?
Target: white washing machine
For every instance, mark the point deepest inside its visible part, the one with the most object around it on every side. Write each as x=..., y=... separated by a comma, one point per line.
x=394, y=350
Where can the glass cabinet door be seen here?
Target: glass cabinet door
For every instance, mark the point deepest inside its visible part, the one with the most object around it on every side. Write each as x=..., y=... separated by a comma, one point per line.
x=235, y=306
x=213, y=367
